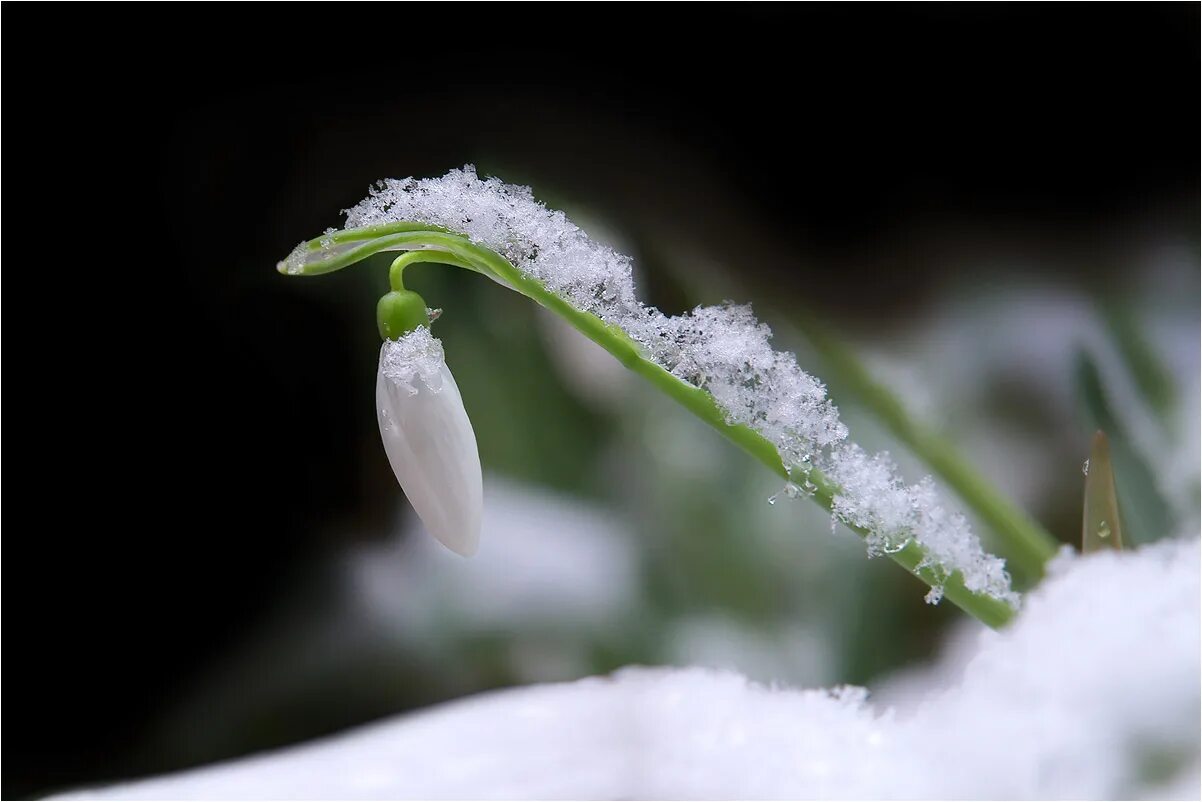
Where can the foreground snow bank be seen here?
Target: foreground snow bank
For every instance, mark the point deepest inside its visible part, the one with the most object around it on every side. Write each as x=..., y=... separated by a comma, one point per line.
x=1093, y=692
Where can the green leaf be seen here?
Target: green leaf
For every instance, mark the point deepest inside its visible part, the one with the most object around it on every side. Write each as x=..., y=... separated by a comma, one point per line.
x=1147, y=511
x=1101, y=525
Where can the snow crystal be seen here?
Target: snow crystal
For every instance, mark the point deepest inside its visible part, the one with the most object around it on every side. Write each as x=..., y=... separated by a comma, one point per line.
x=875, y=498
x=722, y=349
x=294, y=262
x=416, y=356
x=1092, y=693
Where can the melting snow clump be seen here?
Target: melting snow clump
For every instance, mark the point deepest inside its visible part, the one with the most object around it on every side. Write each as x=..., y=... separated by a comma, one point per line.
x=416, y=356
x=875, y=498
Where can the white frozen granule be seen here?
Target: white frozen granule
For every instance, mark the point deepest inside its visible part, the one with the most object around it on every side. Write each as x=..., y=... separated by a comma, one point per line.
x=871, y=497
x=413, y=357
x=507, y=218
x=726, y=351
x=294, y=263
x=874, y=497
x=721, y=349
x=950, y=542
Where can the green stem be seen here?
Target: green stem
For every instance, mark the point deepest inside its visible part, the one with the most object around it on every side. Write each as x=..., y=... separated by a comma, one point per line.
x=448, y=248
x=396, y=271
x=1025, y=544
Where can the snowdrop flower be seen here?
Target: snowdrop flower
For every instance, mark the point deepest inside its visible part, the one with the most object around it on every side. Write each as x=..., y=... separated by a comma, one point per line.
x=426, y=432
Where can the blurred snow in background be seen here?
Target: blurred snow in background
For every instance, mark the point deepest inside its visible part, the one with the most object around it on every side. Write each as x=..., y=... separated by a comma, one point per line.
x=543, y=561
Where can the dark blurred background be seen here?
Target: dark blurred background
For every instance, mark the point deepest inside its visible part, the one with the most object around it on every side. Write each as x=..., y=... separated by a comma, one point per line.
x=196, y=577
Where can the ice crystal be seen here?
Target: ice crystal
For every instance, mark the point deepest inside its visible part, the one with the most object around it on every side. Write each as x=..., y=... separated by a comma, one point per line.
x=416, y=356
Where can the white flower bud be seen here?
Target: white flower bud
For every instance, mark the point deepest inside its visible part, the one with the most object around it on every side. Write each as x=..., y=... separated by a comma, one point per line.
x=429, y=439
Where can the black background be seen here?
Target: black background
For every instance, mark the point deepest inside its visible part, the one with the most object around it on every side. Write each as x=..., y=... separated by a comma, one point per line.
x=177, y=410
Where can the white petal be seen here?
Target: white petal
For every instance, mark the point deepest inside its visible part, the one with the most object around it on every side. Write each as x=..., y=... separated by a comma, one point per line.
x=432, y=449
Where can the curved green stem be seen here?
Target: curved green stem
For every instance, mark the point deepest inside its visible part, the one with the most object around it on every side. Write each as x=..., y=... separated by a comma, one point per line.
x=395, y=271
x=432, y=245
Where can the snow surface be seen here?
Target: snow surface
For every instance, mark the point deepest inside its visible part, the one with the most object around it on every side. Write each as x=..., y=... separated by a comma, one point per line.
x=723, y=349
x=1093, y=692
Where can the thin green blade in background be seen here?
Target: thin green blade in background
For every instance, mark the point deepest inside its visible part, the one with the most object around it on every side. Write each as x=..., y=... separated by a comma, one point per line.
x=1100, y=525
x=1135, y=478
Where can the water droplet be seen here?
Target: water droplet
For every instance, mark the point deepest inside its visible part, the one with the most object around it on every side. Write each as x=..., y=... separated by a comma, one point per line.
x=1103, y=530
x=809, y=487
x=772, y=499
x=792, y=490
x=1085, y=468
x=893, y=547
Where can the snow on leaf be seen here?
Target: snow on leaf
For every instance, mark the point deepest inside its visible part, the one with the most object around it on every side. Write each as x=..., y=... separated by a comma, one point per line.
x=722, y=349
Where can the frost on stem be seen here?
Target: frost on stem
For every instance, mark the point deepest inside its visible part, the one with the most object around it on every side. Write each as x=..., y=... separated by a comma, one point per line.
x=721, y=349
